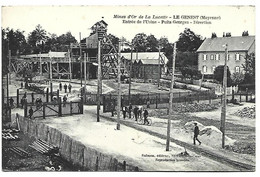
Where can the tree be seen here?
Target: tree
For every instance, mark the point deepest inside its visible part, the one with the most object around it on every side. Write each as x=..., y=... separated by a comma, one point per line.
x=237, y=78
x=152, y=44
x=219, y=73
x=64, y=41
x=184, y=59
x=4, y=52
x=249, y=68
x=15, y=41
x=51, y=43
x=167, y=49
x=190, y=72
x=37, y=38
x=140, y=42
x=189, y=41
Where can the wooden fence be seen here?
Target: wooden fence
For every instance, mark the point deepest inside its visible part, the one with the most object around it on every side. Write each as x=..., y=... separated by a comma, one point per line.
x=53, y=109
x=17, y=101
x=110, y=101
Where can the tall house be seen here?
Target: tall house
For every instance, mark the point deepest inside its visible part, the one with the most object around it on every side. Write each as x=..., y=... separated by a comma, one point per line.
x=211, y=53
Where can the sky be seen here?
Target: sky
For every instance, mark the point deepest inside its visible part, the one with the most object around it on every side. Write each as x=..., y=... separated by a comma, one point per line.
x=78, y=19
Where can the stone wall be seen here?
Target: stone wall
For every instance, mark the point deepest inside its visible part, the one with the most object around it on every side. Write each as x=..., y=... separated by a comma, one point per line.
x=74, y=151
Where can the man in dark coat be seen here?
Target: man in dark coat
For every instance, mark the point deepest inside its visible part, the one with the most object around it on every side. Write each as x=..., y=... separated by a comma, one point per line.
x=65, y=88
x=60, y=86
x=30, y=112
x=135, y=112
x=145, y=117
x=69, y=88
x=130, y=110
x=196, y=133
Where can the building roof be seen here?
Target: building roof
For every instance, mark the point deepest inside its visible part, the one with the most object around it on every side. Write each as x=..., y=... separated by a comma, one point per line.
x=238, y=43
x=145, y=57
x=149, y=61
x=46, y=55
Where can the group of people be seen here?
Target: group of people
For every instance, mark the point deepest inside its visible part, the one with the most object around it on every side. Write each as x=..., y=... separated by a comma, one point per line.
x=69, y=87
x=138, y=112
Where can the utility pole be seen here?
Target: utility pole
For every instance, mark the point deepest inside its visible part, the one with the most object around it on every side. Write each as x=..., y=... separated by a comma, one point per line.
x=87, y=67
x=119, y=86
x=9, y=66
x=40, y=66
x=201, y=80
x=171, y=98
x=224, y=100
x=159, y=68
x=8, y=77
x=69, y=65
x=85, y=76
x=99, y=79
x=80, y=53
x=131, y=65
x=51, y=77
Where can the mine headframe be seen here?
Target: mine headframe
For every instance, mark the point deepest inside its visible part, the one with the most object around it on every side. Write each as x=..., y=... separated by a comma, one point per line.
x=109, y=51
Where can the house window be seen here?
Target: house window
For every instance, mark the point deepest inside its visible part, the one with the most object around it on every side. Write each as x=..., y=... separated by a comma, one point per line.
x=237, y=56
x=228, y=56
x=237, y=69
x=217, y=56
x=204, y=69
x=205, y=57
x=213, y=68
x=212, y=57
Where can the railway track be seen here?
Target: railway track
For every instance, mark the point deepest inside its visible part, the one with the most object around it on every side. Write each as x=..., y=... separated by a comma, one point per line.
x=214, y=156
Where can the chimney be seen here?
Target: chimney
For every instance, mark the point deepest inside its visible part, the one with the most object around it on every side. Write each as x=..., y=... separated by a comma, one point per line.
x=224, y=34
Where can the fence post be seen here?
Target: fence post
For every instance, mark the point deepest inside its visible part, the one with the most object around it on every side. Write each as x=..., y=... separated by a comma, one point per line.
x=32, y=97
x=43, y=110
x=156, y=101
x=246, y=96
x=25, y=108
x=233, y=95
x=60, y=107
x=70, y=108
x=58, y=94
x=81, y=105
x=47, y=95
x=17, y=97
x=198, y=97
x=240, y=96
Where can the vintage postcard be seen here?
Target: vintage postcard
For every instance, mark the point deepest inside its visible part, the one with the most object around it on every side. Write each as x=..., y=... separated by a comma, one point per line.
x=128, y=88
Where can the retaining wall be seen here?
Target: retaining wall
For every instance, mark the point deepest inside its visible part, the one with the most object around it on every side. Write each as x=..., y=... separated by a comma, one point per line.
x=73, y=151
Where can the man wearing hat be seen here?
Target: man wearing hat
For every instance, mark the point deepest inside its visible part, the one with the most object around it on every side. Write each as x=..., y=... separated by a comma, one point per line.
x=196, y=133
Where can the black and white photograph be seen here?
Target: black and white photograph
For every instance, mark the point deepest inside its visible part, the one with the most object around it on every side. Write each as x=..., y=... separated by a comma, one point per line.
x=134, y=88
